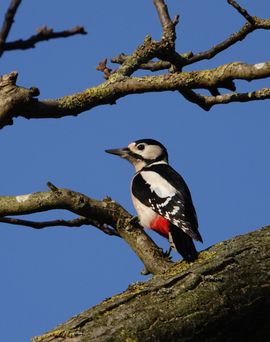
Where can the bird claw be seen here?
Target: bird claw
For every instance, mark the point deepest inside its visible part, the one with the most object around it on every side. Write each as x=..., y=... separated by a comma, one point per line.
x=167, y=253
x=134, y=219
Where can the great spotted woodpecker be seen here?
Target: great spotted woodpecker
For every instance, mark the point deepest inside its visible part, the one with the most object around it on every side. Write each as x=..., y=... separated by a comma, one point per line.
x=161, y=196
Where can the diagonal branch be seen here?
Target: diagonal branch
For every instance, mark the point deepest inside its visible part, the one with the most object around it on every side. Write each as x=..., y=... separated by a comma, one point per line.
x=105, y=212
x=43, y=34
x=242, y=11
x=164, y=16
x=77, y=222
x=8, y=21
x=234, y=38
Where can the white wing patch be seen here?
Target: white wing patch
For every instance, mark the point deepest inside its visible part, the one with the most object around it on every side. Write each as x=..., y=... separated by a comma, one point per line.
x=175, y=210
x=158, y=184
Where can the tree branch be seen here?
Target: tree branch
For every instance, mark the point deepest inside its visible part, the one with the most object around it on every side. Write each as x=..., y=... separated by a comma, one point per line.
x=77, y=222
x=151, y=65
x=16, y=101
x=164, y=16
x=234, y=38
x=99, y=214
x=43, y=34
x=217, y=298
x=242, y=11
x=8, y=21
x=181, y=60
x=207, y=102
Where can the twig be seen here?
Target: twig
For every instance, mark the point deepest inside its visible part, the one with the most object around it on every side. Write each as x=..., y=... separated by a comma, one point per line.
x=234, y=38
x=196, y=98
x=102, y=66
x=242, y=11
x=8, y=21
x=151, y=65
x=51, y=186
x=43, y=34
x=167, y=45
x=163, y=14
x=78, y=222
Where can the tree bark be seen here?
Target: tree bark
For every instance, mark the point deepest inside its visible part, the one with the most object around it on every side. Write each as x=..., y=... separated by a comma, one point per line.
x=223, y=296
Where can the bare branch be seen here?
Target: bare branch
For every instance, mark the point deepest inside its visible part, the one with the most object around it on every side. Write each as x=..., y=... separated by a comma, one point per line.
x=163, y=49
x=77, y=222
x=234, y=38
x=242, y=11
x=43, y=34
x=16, y=101
x=102, y=66
x=196, y=98
x=163, y=14
x=206, y=102
x=99, y=213
x=8, y=21
x=151, y=65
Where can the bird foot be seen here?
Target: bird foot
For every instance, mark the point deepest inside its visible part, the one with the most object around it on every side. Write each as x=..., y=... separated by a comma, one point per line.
x=134, y=219
x=167, y=254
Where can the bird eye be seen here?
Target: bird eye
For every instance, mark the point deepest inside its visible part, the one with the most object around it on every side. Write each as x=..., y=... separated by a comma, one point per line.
x=141, y=147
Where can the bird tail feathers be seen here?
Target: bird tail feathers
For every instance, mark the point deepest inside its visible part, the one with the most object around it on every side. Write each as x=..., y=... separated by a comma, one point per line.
x=183, y=243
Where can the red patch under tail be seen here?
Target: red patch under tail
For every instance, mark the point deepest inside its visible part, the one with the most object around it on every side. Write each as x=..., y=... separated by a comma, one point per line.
x=160, y=225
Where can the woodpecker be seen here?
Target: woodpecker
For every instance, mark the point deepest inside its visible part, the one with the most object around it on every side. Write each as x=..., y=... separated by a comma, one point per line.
x=161, y=196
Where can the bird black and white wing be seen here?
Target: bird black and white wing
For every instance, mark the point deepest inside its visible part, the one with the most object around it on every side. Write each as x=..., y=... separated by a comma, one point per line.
x=160, y=187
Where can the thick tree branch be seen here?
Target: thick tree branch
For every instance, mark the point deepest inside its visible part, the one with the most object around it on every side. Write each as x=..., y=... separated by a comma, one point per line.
x=8, y=21
x=16, y=101
x=223, y=296
x=99, y=213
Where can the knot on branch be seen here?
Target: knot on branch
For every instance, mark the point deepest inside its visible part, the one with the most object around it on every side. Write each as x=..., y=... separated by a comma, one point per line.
x=13, y=99
x=8, y=79
x=44, y=30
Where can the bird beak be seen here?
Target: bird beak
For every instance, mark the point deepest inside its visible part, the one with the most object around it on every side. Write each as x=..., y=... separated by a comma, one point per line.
x=121, y=152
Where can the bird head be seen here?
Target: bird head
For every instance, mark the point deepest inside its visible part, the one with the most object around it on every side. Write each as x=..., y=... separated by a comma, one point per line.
x=142, y=152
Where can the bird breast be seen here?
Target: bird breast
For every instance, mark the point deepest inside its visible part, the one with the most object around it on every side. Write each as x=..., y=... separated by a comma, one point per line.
x=146, y=214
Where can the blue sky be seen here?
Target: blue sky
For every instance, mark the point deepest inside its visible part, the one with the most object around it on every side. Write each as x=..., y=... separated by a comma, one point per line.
x=50, y=275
